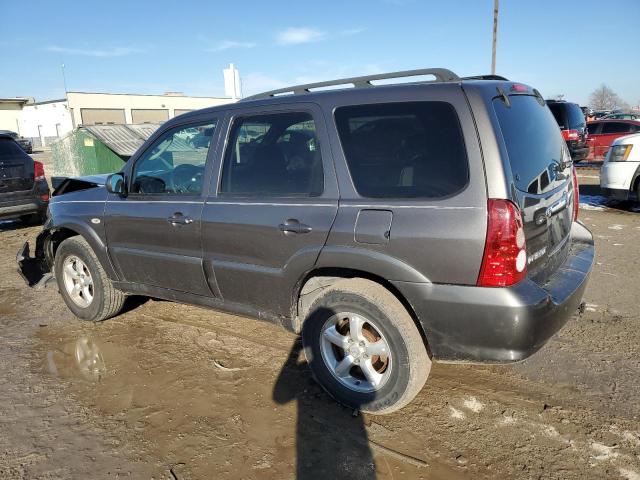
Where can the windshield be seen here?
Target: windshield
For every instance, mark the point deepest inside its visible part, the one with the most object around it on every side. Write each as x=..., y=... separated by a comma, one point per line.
x=533, y=141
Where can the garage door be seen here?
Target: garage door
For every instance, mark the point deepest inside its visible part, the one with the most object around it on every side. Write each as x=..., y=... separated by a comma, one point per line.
x=142, y=115
x=101, y=116
x=179, y=111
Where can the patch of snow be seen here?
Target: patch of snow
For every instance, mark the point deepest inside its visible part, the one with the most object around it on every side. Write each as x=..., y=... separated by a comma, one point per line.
x=603, y=452
x=473, y=404
x=618, y=244
x=457, y=414
x=550, y=431
x=629, y=474
x=593, y=202
x=616, y=227
x=508, y=420
x=586, y=206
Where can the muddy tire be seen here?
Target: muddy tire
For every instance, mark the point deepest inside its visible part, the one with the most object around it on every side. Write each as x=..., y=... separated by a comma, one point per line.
x=83, y=283
x=364, y=348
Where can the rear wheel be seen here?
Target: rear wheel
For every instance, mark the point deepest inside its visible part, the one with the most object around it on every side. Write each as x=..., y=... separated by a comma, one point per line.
x=83, y=283
x=364, y=348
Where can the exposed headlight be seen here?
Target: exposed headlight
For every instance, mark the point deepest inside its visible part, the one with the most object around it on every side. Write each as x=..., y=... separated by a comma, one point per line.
x=620, y=153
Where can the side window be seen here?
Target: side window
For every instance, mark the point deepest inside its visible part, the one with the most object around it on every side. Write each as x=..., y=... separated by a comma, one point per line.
x=404, y=150
x=592, y=128
x=175, y=163
x=273, y=155
x=615, y=127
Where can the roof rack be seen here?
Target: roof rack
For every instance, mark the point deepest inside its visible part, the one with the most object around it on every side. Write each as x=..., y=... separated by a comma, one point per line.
x=440, y=74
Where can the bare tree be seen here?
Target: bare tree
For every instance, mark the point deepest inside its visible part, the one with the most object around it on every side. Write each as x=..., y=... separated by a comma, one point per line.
x=604, y=98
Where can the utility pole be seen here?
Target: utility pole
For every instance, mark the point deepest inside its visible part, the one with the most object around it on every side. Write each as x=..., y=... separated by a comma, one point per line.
x=496, y=6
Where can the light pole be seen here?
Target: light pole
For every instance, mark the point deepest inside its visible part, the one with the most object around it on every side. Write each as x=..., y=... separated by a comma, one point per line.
x=64, y=78
x=496, y=6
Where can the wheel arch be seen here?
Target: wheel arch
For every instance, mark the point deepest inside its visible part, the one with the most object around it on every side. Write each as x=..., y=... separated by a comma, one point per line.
x=315, y=281
x=64, y=230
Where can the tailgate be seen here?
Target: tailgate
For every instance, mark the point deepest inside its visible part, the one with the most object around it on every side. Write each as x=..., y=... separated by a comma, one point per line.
x=16, y=167
x=541, y=168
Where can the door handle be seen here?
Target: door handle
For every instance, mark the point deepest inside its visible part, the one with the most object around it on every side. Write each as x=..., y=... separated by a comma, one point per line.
x=179, y=219
x=293, y=226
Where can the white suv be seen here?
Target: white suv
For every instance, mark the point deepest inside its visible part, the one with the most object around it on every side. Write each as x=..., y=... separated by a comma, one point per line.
x=620, y=174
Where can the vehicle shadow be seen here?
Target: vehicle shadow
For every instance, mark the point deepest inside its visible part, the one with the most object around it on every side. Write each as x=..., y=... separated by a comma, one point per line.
x=17, y=224
x=331, y=442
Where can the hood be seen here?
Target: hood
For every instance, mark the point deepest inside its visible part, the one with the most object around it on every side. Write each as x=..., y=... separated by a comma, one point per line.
x=64, y=185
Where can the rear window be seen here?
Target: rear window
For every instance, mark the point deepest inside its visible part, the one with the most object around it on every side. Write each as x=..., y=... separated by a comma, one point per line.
x=592, y=128
x=532, y=139
x=569, y=116
x=9, y=148
x=576, y=117
x=616, y=127
x=404, y=150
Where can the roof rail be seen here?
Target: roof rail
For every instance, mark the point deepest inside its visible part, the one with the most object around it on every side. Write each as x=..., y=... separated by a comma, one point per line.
x=440, y=74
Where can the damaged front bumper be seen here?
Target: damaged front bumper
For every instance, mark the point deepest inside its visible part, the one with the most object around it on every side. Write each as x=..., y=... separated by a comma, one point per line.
x=36, y=270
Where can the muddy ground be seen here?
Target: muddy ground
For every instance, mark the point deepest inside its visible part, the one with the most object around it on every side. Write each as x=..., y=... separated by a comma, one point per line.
x=170, y=391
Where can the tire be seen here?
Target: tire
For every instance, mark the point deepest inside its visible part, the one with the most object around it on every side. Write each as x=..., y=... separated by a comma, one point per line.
x=385, y=323
x=96, y=299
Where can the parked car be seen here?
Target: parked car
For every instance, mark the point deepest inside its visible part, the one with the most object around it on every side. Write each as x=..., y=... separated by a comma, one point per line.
x=603, y=132
x=620, y=173
x=24, y=143
x=425, y=221
x=622, y=116
x=24, y=192
x=601, y=113
x=573, y=127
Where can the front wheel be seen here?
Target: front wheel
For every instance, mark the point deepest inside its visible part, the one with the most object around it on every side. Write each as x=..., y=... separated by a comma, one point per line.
x=83, y=283
x=364, y=348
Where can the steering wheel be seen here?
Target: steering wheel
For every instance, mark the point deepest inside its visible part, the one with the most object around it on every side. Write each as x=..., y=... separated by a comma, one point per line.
x=187, y=178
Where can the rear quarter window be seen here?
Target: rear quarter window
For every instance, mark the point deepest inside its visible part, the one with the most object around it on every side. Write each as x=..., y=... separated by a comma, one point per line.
x=404, y=150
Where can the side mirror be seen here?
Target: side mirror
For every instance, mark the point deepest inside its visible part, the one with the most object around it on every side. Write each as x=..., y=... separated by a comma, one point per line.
x=115, y=184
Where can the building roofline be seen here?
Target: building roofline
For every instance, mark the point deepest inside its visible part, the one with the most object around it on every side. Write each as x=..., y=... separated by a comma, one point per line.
x=15, y=100
x=151, y=95
x=44, y=102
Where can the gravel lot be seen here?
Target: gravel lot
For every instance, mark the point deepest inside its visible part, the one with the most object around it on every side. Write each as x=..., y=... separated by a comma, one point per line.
x=174, y=391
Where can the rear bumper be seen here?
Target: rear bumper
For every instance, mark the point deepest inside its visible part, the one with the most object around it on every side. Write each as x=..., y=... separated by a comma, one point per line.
x=474, y=324
x=579, y=153
x=16, y=204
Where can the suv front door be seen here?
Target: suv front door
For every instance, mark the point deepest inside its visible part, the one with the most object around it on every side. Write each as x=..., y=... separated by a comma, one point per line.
x=154, y=232
x=269, y=214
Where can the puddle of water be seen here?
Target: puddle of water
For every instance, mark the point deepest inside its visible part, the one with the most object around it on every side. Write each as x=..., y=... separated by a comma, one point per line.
x=259, y=416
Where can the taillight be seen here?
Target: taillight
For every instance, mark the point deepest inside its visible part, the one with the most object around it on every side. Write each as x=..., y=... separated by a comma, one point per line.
x=504, y=262
x=38, y=170
x=576, y=194
x=570, y=134
x=44, y=197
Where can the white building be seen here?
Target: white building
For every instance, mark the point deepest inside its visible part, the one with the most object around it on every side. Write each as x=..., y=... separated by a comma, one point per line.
x=11, y=112
x=47, y=121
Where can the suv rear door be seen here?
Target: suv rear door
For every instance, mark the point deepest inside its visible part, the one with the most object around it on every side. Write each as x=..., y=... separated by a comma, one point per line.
x=268, y=216
x=16, y=167
x=543, y=189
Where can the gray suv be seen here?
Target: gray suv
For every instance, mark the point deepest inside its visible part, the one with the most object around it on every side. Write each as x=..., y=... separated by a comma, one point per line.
x=390, y=225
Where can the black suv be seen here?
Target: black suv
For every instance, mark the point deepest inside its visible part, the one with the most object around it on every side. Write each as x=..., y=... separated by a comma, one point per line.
x=24, y=191
x=573, y=125
x=24, y=143
x=390, y=225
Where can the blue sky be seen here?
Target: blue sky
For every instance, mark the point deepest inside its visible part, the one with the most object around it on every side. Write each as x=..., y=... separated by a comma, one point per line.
x=560, y=47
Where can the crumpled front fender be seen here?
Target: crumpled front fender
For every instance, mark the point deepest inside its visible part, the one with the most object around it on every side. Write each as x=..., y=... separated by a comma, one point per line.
x=37, y=270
